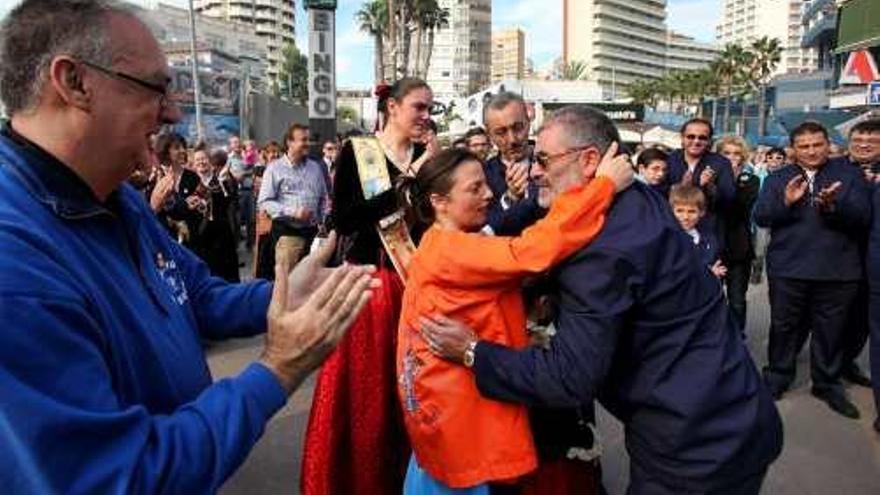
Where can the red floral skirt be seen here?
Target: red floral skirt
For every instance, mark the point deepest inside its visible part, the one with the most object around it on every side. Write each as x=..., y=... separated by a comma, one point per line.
x=355, y=442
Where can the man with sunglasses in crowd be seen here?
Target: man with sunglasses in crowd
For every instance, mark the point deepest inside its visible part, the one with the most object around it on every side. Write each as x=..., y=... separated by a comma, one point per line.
x=641, y=328
x=515, y=204
x=106, y=388
x=695, y=164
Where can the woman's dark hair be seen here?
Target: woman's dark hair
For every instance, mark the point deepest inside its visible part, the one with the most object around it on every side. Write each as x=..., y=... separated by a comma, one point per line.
x=649, y=155
x=398, y=92
x=434, y=177
x=164, y=143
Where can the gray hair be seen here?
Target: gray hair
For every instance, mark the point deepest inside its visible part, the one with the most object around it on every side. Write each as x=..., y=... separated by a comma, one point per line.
x=37, y=31
x=583, y=126
x=501, y=101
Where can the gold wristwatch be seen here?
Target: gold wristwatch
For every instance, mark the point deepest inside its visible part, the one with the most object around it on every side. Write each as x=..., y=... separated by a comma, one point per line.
x=469, y=354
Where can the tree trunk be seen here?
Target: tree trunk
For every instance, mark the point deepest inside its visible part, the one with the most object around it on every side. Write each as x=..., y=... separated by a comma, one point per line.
x=379, y=56
x=762, y=112
x=743, y=113
x=407, y=46
x=418, y=58
x=727, y=96
x=429, y=51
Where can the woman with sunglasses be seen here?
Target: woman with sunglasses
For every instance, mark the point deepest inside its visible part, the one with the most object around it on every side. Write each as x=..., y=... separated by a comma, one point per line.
x=355, y=441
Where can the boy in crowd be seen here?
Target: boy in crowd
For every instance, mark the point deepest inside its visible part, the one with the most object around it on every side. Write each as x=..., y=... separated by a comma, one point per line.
x=689, y=207
x=652, y=169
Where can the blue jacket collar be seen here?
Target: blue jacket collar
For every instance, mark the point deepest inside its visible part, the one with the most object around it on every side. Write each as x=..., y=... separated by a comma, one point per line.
x=48, y=179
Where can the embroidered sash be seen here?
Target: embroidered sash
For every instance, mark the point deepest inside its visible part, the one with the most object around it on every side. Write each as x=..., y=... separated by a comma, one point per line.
x=373, y=171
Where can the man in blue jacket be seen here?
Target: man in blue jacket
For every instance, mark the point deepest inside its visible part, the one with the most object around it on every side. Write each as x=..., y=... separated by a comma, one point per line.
x=515, y=202
x=696, y=164
x=817, y=211
x=106, y=388
x=643, y=328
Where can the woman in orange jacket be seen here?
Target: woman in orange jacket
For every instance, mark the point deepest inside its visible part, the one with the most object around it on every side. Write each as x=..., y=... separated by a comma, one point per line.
x=461, y=440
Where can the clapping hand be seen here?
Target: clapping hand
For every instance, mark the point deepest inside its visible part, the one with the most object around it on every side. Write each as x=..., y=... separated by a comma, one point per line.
x=795, y=189
x=707, y=177
x=827, y=195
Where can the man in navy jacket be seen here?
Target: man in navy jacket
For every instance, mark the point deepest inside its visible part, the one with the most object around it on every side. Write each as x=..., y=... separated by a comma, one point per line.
x=864, y=154
x=515, y=198
x=106, y=388
x=711, y=172
x=817, y=210
x=644, y=329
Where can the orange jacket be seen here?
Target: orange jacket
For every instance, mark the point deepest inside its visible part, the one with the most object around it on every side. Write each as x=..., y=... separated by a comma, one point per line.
x=458, y=437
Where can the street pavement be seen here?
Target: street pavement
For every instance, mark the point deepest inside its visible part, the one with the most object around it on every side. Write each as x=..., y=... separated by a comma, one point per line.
x=824, y=453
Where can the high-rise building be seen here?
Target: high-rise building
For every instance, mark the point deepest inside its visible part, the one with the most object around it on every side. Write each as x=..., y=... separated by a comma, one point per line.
x=743, y=21
x=273, y=21
x=621, y=41
x=820, y=31
x=461, y=61
x=171, y=27
x=508, y=55
x=686, y=53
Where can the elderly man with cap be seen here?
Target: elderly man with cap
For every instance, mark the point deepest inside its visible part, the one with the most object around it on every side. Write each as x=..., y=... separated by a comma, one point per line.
x=106, y=386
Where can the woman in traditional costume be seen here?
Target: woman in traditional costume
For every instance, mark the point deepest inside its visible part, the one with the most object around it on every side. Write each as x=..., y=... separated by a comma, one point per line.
x=355, y=442
x=461, y=440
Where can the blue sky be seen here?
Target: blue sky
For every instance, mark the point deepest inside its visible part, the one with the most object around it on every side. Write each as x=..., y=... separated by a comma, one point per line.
x=354, y=49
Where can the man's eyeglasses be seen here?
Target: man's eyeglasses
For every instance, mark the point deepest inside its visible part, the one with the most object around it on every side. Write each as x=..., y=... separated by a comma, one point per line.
x=543, y=159
x=697, y=137
x=160, y=89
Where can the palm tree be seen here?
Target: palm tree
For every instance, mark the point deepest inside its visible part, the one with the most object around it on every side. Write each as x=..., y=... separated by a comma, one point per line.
x=728, y=67
x=766, y=53
x=643, y=92
x=704, y=83
x=434, y=20
x=575, y=70
x=373, y=19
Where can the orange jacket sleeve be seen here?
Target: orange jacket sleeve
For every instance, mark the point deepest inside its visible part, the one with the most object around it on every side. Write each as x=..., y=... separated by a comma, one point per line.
x=575, y=218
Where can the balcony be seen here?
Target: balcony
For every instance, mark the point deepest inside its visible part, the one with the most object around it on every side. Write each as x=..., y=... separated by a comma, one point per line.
x=825, y=27
x=813, y=9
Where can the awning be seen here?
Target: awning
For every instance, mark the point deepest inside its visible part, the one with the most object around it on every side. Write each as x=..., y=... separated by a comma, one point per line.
x=858, y=25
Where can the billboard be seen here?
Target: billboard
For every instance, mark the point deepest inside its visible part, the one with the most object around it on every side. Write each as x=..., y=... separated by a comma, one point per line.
x=221, y=94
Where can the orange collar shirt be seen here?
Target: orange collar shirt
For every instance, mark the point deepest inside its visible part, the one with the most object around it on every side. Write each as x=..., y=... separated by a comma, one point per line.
x=460, y=438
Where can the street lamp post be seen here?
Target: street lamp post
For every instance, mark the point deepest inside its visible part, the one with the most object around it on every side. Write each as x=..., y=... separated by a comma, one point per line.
x=322, y=70
x=197, y=87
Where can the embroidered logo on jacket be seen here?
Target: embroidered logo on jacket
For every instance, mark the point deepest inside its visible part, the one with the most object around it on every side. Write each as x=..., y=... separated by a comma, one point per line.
x=169, y=273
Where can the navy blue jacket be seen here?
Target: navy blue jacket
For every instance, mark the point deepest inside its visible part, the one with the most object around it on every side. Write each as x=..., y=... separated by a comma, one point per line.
x=806, y=243
x=873, y=271
x=707, y=249
x=720, y=197
x=644, y=328
x=106, y=388
x=520, y=214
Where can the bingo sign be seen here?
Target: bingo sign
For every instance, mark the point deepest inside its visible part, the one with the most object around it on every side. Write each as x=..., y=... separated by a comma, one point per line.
x=322, y=64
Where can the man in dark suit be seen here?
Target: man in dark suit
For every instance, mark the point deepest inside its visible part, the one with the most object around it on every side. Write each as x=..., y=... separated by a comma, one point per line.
x=864, y=153
x=643, y=328
x=817, y=210
x=695, y=164
x=516, y=203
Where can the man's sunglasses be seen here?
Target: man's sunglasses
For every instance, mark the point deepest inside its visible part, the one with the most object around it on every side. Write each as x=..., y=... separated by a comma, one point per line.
x=696, y=137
